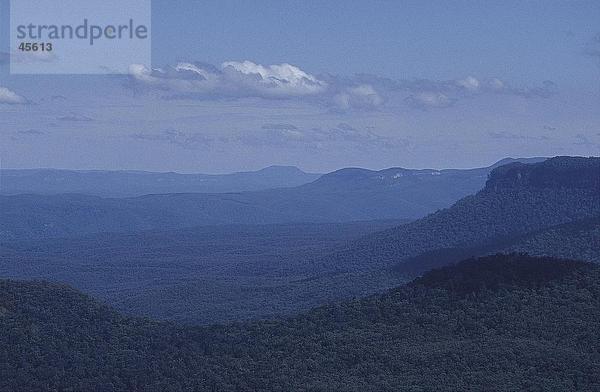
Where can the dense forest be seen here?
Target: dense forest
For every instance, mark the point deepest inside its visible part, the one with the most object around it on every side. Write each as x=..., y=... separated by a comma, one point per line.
x=201, y=275
x=501, y=323
x=578, y=240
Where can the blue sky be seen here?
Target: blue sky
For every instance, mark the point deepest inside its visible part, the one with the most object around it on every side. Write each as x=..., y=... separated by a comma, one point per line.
x=321, y=85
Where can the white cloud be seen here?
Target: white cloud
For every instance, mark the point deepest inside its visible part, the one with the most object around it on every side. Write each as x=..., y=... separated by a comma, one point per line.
x=142, y=73
x=429, y=99
x=360, y=97
x=244, y=79
x=10, y=97
x=232, y=79
x=426, y=94
x=282, y=79
x=469, y=83
x=496, y=84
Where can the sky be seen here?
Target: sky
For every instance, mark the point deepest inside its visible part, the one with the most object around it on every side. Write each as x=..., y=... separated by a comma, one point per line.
x=238, y=85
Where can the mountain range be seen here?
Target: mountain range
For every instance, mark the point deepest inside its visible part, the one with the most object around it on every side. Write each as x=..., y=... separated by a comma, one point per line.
x=130, y=183
x=341, y=196
x=223, y=273
x=454, y=298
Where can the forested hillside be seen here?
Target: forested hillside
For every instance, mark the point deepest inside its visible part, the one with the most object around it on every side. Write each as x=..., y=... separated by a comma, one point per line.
x=501, y=323
x=518, y=199
x=579, y=240
x=204, y=274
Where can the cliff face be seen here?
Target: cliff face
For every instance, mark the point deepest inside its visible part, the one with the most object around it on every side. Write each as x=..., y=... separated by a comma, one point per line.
x=559, y=172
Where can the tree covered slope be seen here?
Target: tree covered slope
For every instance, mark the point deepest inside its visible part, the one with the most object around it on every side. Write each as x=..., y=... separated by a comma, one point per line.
x=502, y=323
x=578, y=240
x=518, y=199
x=204, y=274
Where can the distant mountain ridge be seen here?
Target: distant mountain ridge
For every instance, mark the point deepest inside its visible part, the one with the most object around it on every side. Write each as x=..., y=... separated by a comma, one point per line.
x=517, y=199
x=342, y=196
x=398, y=176
x=129, y=183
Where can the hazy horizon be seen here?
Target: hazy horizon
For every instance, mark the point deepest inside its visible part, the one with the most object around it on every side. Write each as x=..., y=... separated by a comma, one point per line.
x=265, y=168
